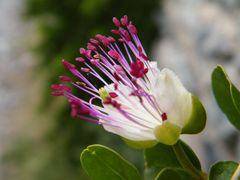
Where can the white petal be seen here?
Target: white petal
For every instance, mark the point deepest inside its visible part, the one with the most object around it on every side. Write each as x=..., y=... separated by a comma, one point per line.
x=131, y=134
x=173, y=98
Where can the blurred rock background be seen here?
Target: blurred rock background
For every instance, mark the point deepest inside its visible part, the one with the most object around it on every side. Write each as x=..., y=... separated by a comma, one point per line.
x=38, y=139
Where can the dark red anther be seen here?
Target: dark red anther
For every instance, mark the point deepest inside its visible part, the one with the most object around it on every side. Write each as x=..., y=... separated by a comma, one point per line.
x=132, y=29
x=79, y=59
x=113, y=54
x=86, y=70
x=124, y=20
x=137, y=69
x=91, y=47
x=115, y=31
x=82, y=51
x=65, y=78
x=115, y=86
x=57, y=93
x=164, y=116
x=68, y=65
x=116, y=21
x=94, y=41
x=113, y=94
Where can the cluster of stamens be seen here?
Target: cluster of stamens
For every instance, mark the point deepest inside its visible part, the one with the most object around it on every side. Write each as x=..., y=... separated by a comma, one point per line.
x=115, y=63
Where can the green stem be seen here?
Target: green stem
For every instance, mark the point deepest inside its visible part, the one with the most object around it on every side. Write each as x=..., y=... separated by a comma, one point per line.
x=186, y=163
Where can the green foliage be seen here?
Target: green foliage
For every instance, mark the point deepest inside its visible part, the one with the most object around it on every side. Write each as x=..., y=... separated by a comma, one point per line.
x=223, y=170
x=163, y=156
x=101, y=162
x=227, y=95
x=173, y=173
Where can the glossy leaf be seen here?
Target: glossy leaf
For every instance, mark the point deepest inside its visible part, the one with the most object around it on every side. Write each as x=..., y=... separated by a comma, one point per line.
x=223, y=170
x=101, y=162
x=173, y=173
x=227, y=95
x=162, y=156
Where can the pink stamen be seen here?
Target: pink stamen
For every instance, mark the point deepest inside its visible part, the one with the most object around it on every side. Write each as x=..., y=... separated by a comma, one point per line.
x=82, y=51
x=132, y=29
x=65, y=78
x=86, y=70
x=113, y=54
x=79, y=59
x=68, y=65
x=124, y=20
x=113, y=95
x=94, y=41
x=116, y=21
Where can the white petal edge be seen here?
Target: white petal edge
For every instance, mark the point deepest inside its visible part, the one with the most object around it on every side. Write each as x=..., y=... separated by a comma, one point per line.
x=173, y=98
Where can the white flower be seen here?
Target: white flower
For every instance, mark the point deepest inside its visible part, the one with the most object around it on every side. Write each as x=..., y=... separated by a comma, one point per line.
x=141, y=103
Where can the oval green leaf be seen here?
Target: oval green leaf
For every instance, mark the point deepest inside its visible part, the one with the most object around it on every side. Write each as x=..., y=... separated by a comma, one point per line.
x=162, y=156
x=101, y=162
x=223, y=170
x=227, y=95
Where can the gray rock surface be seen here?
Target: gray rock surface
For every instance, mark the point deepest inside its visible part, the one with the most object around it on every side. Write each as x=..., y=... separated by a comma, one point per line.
x=16, y=82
